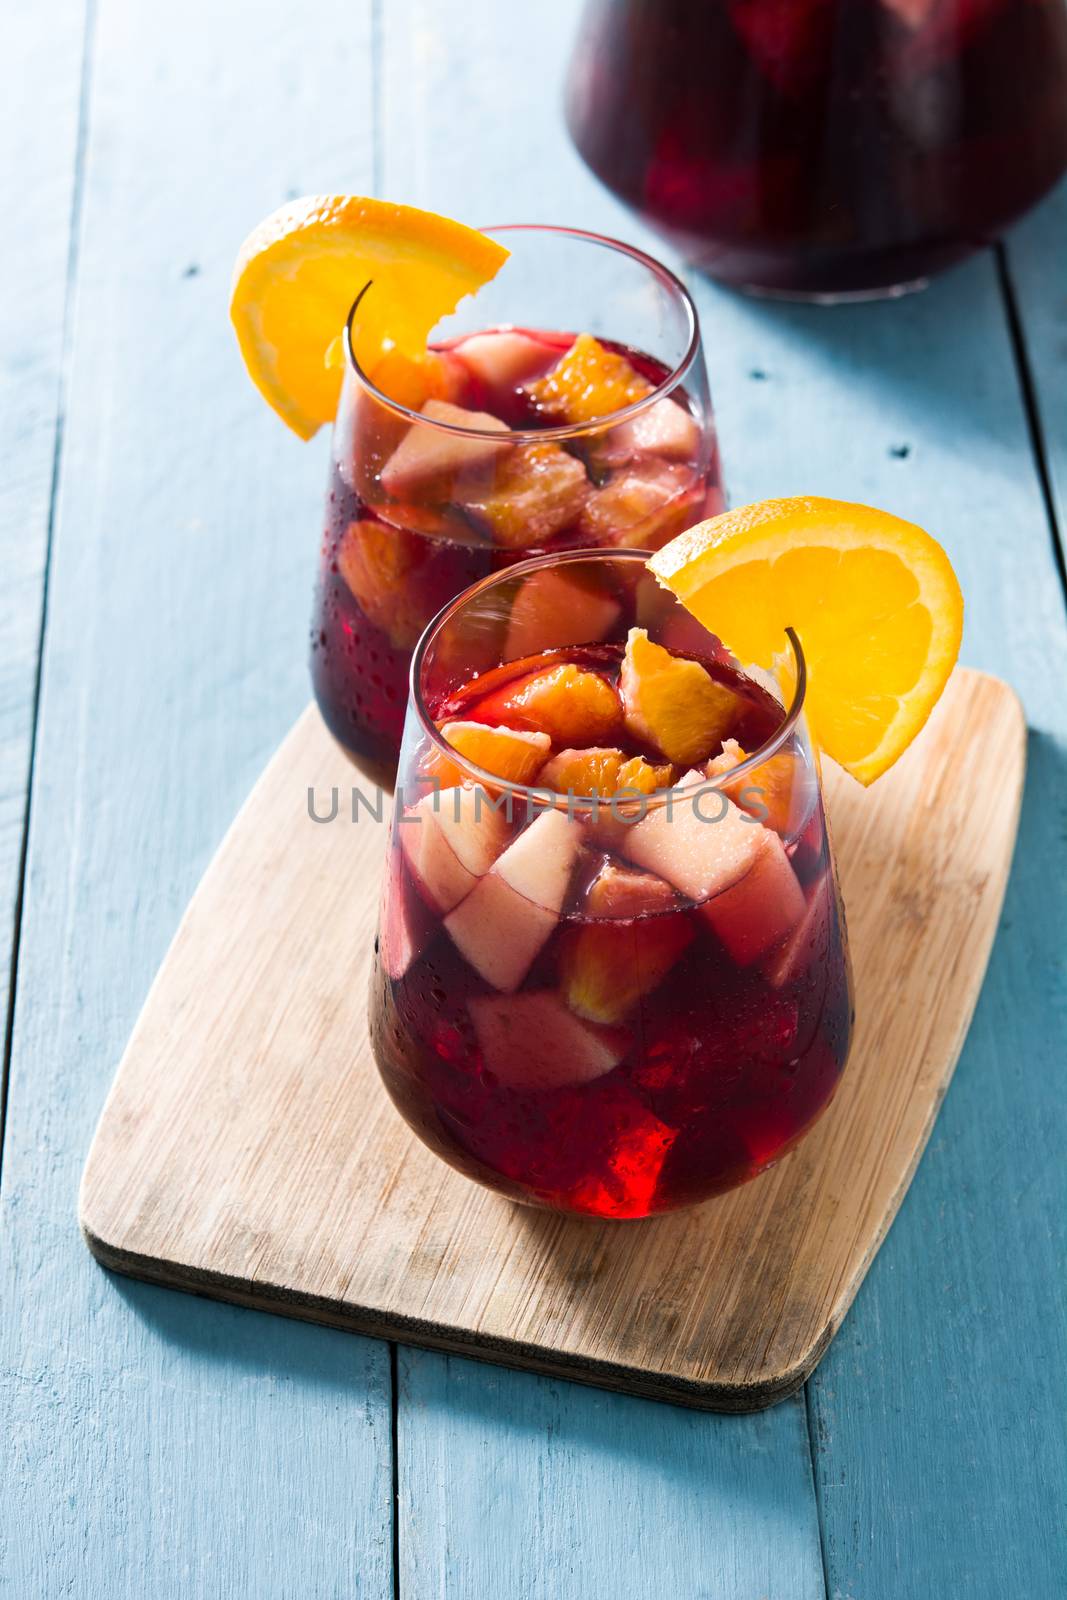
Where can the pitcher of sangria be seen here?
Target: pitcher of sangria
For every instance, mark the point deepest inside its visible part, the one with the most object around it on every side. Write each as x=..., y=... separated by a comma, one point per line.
x=824, y=149
x=565, y=405
x=611, y=974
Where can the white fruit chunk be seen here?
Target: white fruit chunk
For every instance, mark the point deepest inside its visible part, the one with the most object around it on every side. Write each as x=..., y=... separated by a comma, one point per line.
x=701, y=845
x=511, y=912
x=762, y=907
x=532, y=1041
x=426, y=455
x=552, y=610
x=666, y=429
x=450, y=840
x=504, y=360
x=403, y=931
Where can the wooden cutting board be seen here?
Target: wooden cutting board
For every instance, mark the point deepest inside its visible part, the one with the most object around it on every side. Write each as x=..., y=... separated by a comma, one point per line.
x=248, y=1151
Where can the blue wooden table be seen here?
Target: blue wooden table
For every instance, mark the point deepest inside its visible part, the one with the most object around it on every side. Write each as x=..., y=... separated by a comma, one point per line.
x=158, y=531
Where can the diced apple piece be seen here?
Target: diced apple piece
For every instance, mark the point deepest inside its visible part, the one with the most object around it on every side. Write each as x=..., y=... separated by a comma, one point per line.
x=532, y=1041
x=450, y=840
x=510, y=913
x=552, y=610
x=428, y=457
x=607, y=967
x=504, y=359
x=809, y=935
x=587, y=383
x=406, y=926
x=701, y=845
x=673, y=704
x=536, y=491
x=762, y=907
x=621, y=892
x=643, y=506
x=665, y=429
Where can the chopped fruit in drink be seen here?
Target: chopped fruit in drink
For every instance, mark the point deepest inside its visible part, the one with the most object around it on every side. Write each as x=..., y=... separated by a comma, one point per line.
x=642, y=506
x=509, y=753
x=621, y=892
x=502, y=924
x=450, y=839
x=564, y=701
x=536, y=490
x=808, y=941
x=296, y=275
x=874, y=600
x=754, y=914
x=432, y=458
x=503, y=359
x=413, y=380
x=552, y=610
x=646, y=776
x=582, y=772
x=674, y=705
x=406, y=927
x=607, y=967
x=588, y=383
x=701, y=844
x=777, y=792
x=374, y=560
x=532, y=1041
x=787, y=39
x=665, y=430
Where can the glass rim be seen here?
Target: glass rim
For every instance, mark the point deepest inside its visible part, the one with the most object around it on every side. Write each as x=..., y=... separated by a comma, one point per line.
x=570, y=430
x=626, y=801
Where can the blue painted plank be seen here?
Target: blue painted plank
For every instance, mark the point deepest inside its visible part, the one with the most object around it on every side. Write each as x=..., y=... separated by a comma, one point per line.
x=513, y=1486
x=1036, y=257
x=510, y=1485
x=42, y=48
x=938, y=1409
x=162, y=1445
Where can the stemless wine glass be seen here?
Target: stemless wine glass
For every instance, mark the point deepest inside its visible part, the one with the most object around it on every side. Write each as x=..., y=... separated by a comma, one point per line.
x=449, y=469
x=823, y=148
x=605, y=1008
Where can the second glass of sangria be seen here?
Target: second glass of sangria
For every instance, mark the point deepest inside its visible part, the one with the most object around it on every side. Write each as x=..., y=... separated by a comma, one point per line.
x=565, y=406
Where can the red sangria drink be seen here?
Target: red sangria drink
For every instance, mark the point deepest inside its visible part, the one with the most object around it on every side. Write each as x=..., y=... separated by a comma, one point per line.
x=823, y=148
x=585, y=423
x=611, y=974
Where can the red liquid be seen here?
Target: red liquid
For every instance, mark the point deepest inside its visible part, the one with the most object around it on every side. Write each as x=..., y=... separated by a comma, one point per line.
x=701, y=1083
x=823, y=147
x=429, y=550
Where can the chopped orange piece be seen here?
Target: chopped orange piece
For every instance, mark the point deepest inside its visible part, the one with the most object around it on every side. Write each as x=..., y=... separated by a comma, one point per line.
x=874, y=601
x=588, y=383
x=672, y=704
x=505, y=752
x=624, y=892
x=646, y=776
x=572, y=706
x=374, y=560
x=536, y=490
x=412, y=380
x=607, y=967
x=770, y=792
x=585, y=772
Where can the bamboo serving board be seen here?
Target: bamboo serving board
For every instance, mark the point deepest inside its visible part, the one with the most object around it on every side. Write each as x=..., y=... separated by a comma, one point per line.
x=248, y=1151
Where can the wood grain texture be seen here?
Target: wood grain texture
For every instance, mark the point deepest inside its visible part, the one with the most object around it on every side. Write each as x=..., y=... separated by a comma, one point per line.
x=158, y=1445
x=940, y=1451
x=248, y=1148
x=42, y=48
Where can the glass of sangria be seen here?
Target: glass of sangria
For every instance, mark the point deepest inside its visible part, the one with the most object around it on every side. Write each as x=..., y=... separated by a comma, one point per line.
x=611, y=975
x=566, y=405
x=823, y=149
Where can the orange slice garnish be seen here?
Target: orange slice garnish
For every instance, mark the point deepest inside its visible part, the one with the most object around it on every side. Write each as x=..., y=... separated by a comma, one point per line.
x=873, y=599
x=298, y=273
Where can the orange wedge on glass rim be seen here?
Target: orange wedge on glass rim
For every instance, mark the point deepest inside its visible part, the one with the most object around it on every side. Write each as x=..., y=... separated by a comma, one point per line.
x=298, y=273
x=872, y=598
